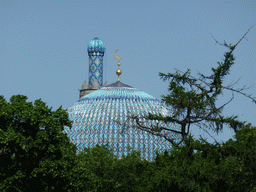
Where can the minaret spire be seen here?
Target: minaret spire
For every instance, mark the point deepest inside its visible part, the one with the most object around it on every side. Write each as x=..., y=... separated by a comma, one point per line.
x=118, y=72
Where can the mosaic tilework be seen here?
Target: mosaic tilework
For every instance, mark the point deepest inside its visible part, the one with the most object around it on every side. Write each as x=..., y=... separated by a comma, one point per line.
x=94, y=121
x=95, y=69
x=96, y=52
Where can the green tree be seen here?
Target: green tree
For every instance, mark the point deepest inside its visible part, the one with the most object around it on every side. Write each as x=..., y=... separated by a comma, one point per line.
x=98, y=169
x=223, y=168
x=230, y=166
x=193, y=101
x=240, y=159
x=34, y=154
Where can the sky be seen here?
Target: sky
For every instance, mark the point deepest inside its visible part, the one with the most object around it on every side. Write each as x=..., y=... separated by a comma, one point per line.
x=43, y=47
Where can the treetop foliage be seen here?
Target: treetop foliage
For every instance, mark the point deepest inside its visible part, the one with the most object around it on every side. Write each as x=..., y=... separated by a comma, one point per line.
x=33, y=149
x=193, y=100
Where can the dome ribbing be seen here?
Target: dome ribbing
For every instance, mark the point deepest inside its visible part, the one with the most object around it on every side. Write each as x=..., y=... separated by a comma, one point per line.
x=95, y=119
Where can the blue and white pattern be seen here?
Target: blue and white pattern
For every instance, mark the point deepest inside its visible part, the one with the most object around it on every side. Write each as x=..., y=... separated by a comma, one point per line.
x=95, y=51
x=96, y=115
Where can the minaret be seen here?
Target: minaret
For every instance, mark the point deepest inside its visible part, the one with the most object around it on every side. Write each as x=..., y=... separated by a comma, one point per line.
x=95, y=51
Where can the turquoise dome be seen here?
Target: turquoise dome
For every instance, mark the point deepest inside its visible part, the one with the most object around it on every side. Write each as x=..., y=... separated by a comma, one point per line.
x=96, y=45
x=95, y=119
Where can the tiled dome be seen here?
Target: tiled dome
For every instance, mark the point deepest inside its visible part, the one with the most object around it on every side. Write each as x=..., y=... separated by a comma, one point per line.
x=94, y=119
x=96, y=45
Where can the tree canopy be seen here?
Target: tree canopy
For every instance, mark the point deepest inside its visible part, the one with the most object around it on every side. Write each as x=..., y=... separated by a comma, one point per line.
x=193, y=100
x=34, y=153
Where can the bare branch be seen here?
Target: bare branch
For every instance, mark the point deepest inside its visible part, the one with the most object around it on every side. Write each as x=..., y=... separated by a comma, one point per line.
x=233, y=47
x=162, y=128
x=239, y=91
x=154, y=133
x=244, y=36
x=147, y=129
x=235, y=82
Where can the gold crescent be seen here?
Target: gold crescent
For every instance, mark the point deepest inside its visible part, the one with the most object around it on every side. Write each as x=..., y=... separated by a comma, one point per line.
x=116, y=56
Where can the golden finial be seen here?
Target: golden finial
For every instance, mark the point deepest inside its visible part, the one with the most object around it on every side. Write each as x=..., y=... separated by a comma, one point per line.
x=118, y=72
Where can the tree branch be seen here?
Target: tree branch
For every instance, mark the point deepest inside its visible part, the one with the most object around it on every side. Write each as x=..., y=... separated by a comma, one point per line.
x=213, y=111
x=239, y=91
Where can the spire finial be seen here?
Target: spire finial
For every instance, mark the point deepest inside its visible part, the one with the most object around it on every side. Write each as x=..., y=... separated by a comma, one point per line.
x=118, y=72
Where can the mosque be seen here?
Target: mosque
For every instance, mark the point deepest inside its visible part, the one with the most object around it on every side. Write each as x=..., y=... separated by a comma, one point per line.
x=103, y=113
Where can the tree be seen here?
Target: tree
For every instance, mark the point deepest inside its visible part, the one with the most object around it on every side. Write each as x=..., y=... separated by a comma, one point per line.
x=227, y=167
x=193, y=101
x=240, y=158
x=34, y=154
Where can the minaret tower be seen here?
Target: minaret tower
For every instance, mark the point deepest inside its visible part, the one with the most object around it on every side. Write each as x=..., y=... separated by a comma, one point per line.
x=95, y=51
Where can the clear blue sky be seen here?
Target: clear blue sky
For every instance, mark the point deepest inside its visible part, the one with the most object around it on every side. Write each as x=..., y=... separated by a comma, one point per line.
x=43, y=46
